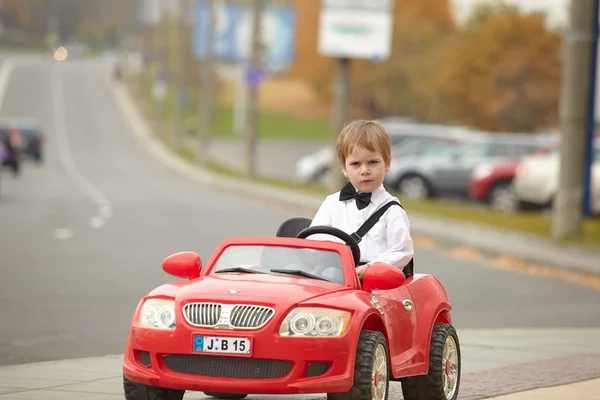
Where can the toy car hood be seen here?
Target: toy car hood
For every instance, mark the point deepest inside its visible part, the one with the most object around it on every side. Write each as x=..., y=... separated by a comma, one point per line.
x=261, y=289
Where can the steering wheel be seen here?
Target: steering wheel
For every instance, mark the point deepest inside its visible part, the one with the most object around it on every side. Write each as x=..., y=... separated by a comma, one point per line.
x=338, y=233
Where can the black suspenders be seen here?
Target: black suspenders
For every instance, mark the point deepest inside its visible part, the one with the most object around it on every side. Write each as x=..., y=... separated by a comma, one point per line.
x=371, y=221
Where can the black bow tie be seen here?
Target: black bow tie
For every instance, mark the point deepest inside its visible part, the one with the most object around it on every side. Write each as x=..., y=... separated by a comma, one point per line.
x=348, y=193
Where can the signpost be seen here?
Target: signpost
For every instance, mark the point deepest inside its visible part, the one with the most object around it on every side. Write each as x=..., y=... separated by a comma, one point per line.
x=234, y=42
x=233, y=34
x=575, y=115
x=356, y=28
x=591, y=122
x=352, y=29
x=233, y=39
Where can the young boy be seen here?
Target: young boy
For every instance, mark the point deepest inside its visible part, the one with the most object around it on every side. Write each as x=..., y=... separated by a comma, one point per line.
x=364, y=153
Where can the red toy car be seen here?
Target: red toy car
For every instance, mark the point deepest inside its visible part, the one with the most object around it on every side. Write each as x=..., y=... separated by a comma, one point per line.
x=288, y=315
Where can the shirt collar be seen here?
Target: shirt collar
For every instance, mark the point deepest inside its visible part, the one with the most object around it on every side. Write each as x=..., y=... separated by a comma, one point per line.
x=378, y=194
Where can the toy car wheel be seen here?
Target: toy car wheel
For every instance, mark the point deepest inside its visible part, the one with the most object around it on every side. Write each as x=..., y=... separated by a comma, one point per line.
x=137, y=391
x=371, y=369
x=233, y=396
x=443, y=380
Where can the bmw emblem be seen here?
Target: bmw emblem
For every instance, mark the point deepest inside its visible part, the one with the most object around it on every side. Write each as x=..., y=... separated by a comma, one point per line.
x=233, y=291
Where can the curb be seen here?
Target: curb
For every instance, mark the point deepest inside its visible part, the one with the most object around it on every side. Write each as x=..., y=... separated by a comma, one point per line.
x=523, y=249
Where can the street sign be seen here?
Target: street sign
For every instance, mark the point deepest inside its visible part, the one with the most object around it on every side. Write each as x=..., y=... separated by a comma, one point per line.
x=233, y=33
x=356, y=28
x=254, y=76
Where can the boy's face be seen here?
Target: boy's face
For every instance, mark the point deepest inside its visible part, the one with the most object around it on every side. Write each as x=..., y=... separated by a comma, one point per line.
x=365, y=169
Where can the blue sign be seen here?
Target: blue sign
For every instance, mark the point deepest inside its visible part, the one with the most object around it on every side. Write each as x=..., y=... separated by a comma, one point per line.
x=198, y=343
x=233, y=33
x=254, y=76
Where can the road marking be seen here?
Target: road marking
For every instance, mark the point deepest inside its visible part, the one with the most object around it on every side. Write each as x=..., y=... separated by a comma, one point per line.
x=105, y=211
x=5, y=72
x=63, y=233
x=96, y=222
x=66, y=157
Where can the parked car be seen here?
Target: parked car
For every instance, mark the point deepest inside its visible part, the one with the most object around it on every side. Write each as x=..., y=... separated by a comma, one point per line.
x=492, y=182
x=3, y=155
x=536, y=180
x=315, y=167
x=447, y=168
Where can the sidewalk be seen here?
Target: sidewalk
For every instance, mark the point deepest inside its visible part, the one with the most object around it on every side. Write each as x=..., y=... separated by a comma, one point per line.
x=587, y=390
x=507, y=362
x=526, y=248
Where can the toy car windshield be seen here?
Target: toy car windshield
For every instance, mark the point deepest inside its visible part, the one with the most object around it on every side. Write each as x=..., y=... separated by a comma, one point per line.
x=271, y=259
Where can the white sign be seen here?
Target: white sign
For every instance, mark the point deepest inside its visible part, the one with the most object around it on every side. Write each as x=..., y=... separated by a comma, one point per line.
x=356, y=28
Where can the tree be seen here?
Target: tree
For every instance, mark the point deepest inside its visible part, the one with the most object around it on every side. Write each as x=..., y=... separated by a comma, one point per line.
x=504, y=73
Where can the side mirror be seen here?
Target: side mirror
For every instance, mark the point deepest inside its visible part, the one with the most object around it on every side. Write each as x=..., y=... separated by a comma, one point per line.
x=382, y=276
x=185, y=264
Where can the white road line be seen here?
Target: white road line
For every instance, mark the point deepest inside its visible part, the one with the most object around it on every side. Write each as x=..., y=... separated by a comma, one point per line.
x=66, y=157
x=96, y=222
x=5, y=72
x=63, y=233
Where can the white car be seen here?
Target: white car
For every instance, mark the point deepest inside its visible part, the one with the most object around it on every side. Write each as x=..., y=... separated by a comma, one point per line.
x=536, y=179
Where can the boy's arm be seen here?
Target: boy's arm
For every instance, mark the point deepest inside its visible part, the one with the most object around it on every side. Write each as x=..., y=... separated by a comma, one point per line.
x=323, y=217
x=401, y=249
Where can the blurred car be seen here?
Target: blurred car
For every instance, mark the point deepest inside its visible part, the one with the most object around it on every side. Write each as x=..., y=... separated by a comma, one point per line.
x=536, y=179
x=31, y=136
x=3, y=152
x=11, y=139
x=446, y=168
x=492, y=182
x=315, y=167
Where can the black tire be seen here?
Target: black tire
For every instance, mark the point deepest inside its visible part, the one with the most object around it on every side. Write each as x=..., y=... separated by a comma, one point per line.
x=232, y=396
x=138, y=391
x=426, y=186
x=363, y=367
x=431, y=386
x=498, y=197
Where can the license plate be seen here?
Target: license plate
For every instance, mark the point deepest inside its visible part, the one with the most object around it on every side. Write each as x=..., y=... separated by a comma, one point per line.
x=221, y=344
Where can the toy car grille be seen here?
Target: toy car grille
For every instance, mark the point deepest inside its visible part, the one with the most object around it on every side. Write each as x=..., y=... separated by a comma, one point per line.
x=248, y=316
x=227, y=366
x=242, y=316
x=202, y=314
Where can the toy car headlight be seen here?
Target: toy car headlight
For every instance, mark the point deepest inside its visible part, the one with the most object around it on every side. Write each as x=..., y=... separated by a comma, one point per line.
x=158, y=313
x=315, y=322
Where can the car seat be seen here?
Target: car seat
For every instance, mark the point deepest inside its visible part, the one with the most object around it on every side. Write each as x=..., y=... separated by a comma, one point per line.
x=291, y=227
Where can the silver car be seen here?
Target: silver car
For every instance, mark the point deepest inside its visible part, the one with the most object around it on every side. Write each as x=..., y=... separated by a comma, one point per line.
x=446, y=168
x=405, y=137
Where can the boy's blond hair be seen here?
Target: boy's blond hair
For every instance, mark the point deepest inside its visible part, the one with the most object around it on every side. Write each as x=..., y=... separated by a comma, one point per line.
x=368, y=134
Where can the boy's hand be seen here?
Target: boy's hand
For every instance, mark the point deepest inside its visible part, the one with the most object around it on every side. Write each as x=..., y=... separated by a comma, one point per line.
x=360, y=271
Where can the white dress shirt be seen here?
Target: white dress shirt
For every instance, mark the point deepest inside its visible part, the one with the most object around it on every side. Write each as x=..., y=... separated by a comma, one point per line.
x=388, y=241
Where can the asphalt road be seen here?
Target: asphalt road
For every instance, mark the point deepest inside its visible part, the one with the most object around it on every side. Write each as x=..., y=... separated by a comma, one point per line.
x=82, y=236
